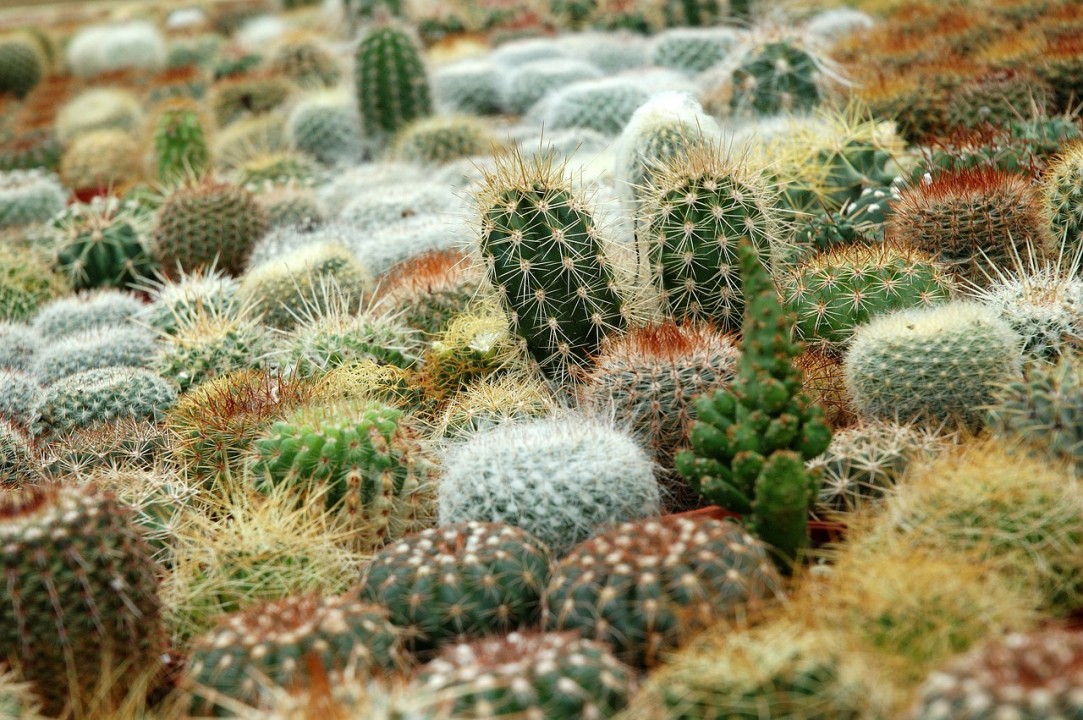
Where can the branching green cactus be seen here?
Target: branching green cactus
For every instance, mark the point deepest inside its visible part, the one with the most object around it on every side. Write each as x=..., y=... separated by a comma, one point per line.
x=749, y=443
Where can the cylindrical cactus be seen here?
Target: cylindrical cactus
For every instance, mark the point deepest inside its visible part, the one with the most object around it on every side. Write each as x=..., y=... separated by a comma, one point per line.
x=180, y=143
x=391, y=80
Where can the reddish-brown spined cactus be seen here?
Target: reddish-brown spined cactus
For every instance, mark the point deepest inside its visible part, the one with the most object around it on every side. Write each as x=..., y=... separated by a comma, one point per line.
x=430, y=289
x=825, y=384
x=974, y=221
x=79, y=595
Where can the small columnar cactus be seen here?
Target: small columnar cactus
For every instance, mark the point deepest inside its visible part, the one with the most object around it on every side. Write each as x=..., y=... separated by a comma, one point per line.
x=391, y=81
x=180, y=143
x=361, y=460
x=558, y=478
x=101, y=244
x=103, y=395
x=28, y=197
x=932, y=365
x=646, y=587
x=458, y=582
x=115, y=346
x=278, y=643
x=545, y=258
x=68, y=606
x=547, y=674
x=85, y=312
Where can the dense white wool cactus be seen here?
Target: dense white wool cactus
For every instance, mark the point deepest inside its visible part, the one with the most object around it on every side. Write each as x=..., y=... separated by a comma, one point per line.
x=29, y=196
x=259, y=32
x=185, y=17
x=468, y=86
x=559, y=478
x=693, y=50
x=529, y=83
x=99, y=49
x=610, y=52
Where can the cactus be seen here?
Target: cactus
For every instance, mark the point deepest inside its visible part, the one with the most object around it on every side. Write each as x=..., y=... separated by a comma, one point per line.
x=18, y=345
x=692, y=50
x=102, y=160
x=29, y=149
x=362, y=461
x=701, y=208
x=604, y=105
x=26, y=283
x=837, y=291
x=475, y=344
x=234, y=98
x=695, y=13
x=932, y=365
x=101, y=244
x=442, y=139
x=998, y=97
x=85, y=313
x=493, y=401
x=490, y=579
x=18, y=464
x=209, y=343
x=67, y=607
x=28, y=197
x=469, y=86
x=320, y=344
x=103, y=395
x=115, y=454
x=774, y=77
x=307, y=63
x=204, y=223
x=547, y=263
x=974, y=220
x=180, y=143
x=99, y=109
x=275, y=643
x=1022, y=675
x=391, y=81
x=214, y=425
x=20, y=397
x=427, y=291
x=116, y=346
x=399, y=203
x=327, y=128
x=1044, y=305
x=530, y=82
x=254, y=150
x=382, y=248
x=559, y=479
x=551, y=674
x=290, y=204
x=750, y=442
x=646, y=587
x=22, y=65
x=1062, y=195
x=100, y=49
x=172, y=302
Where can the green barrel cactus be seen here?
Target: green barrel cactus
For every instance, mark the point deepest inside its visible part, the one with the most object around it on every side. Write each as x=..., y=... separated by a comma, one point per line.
x=547, y=263
x=101, y=244
x=28, y=197
x=180, y=143
x=750, y=442
x=391, y=81
x=554, y=675
x=647, y=587
x=104, y=395
x=932, y=365
x=361, y=460
x=776, y=77
x=277, y=644
x=211, y=343
x=835, y=292
x=458, y=582
x=80, y=590
x=701, y=209
x=22, y=65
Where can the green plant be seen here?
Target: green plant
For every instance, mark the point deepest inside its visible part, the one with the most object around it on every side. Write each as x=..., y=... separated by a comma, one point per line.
x=775, y=77
x=108, y=346
x=28, y=197
x=18, y=344
x=20, y=396
x=391, y=81
x=104, y=395
x=427, y=291
x=327, y=128
x=469, y=86
x=306, y=62
x=173, y=301
x=27, y=282
x=692, y=50
x=22, y=65
x=1044, y=305
x=552, y=674
x=750, y=442
x=101, y=244
x=647, y=587
x=209, y=343
x=545, y=258
x=932, y=365
x=442, y=138
x=322, y=343
x=234, y=98
x=604, y=105
x=493, y=401
x=458, y=582
x=102, y=160
x=530, y=82
x=18, y=464
x=180, y=143
x=84, y=313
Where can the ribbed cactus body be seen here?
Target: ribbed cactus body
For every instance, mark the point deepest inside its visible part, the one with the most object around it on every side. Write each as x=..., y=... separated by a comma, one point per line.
x=774, y=78
x=391, y=80
x=545, y=258
x=101, y=244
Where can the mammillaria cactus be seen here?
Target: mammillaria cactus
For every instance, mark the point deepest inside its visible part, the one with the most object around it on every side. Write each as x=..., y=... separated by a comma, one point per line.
x=20, y=397
x=551, y=674
x=530, y=82
x=691, y=49
x=104, y=395
x=1044, y=305
x=276, y=643
x=85, y=312
x=458, y=582
x=558, y=478
x=427, y=291
x=27, y=282
x=323, y=343
x=442, y=139
x=99, y=109
x=647, y=587
x=98, y=49
x=18, y=345
x=933, y=365
x=361, y=460
x=204, y=223
x=469, y=86
x=102, y=160
x=67, y=607
x=180, y=143
x=604, y=105
x=235, y=98
x=172, y=302
x=391, y=80
x=774, y=77
x=495, y=400
x=21, y=65
x=209, y=343
x=308, y=63
x=128, y=346
x=328, y=129
x=750, y=442
x=547, y=263
x=1062, y=193
x=28, y=197
x=101, y=244
x=18, y=464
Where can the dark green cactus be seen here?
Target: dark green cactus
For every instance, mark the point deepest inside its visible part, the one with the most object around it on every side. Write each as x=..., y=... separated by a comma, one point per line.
x=101, y=244
x=750, y=442
x=22, y=65
x=774, y=78
x=392, y=84
x=547, y=263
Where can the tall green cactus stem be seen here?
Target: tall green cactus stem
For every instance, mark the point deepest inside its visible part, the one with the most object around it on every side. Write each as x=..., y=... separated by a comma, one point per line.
x=79, y=589
x=701, y=210
x=180, y=144
x=546, y=260
x=750, y=443
x=101, y=244
x=391, y=80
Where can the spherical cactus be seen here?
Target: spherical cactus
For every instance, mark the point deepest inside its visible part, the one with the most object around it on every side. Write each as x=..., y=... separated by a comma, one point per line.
x=180, y=143
x=933, y=365
x=1044, y=305
x=18, y=345
x=495, y=400
x=98, y=49
x=27, y=282
x=1062, y=194
x=774, y=77
x=360, y=460
x=99, y=109
x=546, y=260
x=116, y=346
x=174, y=301
x=320, y=344
x=290, y=204
x=204, y=223
x=693, y=50
x=29, y=149
x=549, y=674
x=475, y=344
x=126, y=455
x=427, y=291
x=1020, y=675
x=20, y=397
x=603, y=105
x=391, y=80
x=458, y=582
x=559, y=479
x=101, y=244
x=469, y=86
x=441, y=139
x=84, y=313
x=104, y=395
x=18, y=463
x=102, y=160
x=530, y=82
x=209, y=343
x=277, y=644
x=234, y=98
x=328, y=129
x=68, y=608
x=647, y=587
x=835, y=292
x=306, y=62
x=382, y=248
x=702, y=206
x=973, y=221
x=22, y=65
x=28, y=197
